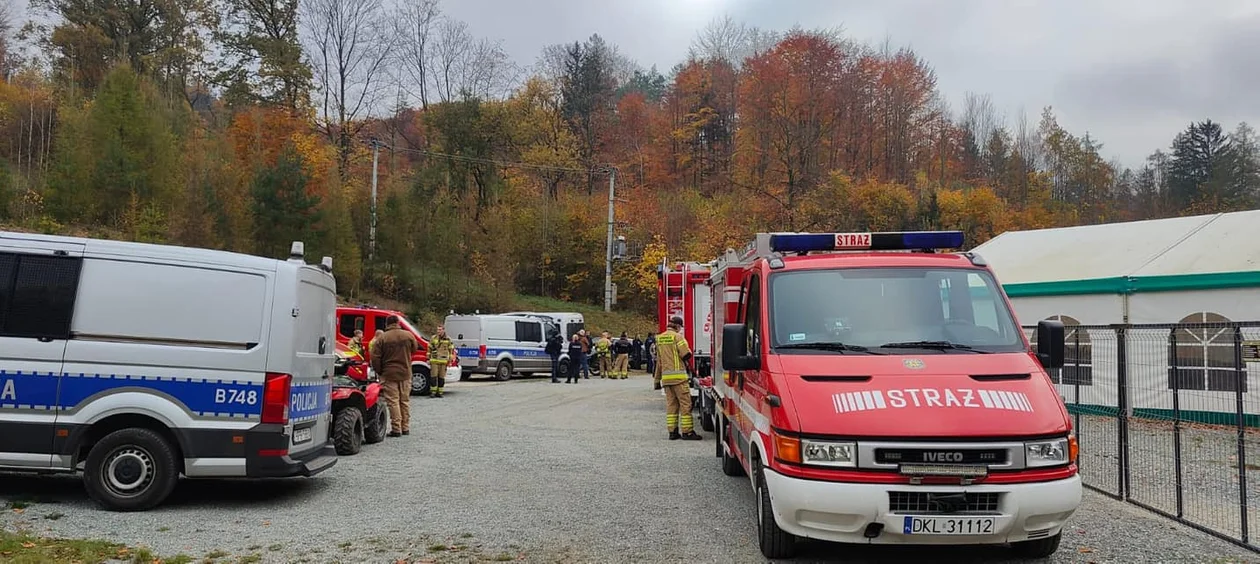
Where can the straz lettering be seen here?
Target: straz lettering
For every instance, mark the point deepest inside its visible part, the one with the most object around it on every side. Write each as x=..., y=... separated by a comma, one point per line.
x=9, y=392
x=853, y=240
x=942, y=457
x=305, y=401
x=922, y=398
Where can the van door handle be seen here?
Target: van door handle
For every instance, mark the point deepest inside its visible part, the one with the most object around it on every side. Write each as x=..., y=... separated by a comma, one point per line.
x=45, y=339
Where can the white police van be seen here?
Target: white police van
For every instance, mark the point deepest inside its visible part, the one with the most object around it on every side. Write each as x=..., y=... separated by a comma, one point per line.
x=501, y=345
x=137, y=363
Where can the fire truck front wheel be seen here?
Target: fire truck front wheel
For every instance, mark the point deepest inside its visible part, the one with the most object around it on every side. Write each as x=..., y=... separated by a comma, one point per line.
x=775, y=543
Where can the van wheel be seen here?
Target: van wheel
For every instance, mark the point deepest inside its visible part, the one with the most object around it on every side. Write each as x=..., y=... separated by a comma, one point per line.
x=377, y=424
x=131, y=470
x=1040, y=548
x=503, y=372
x=420, y=381
x=775, y=543
x=348, y=431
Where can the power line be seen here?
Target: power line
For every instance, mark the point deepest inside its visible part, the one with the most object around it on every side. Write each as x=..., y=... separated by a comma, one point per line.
x=504, y=164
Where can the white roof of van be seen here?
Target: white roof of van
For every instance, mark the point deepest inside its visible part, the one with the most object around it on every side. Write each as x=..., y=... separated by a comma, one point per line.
x=147, y=250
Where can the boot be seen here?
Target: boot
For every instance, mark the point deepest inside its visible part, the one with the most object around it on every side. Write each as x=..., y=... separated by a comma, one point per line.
x=433, y=386
x=691, y=436
x=673, y=435
x=441, y=383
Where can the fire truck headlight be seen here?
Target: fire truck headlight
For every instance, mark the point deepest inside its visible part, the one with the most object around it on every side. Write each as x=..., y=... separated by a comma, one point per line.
x=1046, y=453
x=825, y=453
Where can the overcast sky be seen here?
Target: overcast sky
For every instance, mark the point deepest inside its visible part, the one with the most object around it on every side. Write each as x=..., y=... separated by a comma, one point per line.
x=1130, y=72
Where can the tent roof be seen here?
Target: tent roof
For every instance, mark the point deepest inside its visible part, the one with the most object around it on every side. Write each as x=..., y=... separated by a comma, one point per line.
x=1182, y=253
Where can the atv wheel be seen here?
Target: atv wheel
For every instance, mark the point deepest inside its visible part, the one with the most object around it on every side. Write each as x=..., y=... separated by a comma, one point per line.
x=377, y=424
x=348, y=431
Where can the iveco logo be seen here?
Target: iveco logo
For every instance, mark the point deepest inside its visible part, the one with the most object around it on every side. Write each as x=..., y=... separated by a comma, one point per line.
x=942, y=457
x=913, y=363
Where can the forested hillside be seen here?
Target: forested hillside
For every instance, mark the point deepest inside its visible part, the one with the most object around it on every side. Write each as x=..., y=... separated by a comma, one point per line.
x=246, y=124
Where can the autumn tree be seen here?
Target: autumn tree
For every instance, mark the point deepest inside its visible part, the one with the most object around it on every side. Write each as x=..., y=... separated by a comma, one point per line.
x=284, y=209
x=264, y=59
x=350, y=45
x=166, y=39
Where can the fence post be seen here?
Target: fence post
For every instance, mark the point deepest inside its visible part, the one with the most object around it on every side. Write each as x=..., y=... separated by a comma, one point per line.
x=1076, y=379
x=1240, y=381
x=1175, y=384
x=1122, y=415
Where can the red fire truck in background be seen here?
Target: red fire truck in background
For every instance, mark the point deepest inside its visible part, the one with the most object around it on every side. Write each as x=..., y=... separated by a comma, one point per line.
x=874, y=390
x=683, y=291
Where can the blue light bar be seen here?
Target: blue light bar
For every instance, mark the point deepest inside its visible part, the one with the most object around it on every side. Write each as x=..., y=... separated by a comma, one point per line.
x=893, y=241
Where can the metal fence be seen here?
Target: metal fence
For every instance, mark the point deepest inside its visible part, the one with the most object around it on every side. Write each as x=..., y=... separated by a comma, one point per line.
x=1168, y=419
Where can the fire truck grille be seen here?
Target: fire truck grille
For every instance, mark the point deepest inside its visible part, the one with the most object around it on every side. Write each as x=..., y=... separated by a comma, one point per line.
x=941, y=456
x=943, y=502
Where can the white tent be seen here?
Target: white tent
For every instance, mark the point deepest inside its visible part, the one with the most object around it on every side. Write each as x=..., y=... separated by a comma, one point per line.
x=1200, y=269
x=1157, y=271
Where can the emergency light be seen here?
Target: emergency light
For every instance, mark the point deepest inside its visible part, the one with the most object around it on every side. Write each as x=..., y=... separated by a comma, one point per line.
x=892, y=241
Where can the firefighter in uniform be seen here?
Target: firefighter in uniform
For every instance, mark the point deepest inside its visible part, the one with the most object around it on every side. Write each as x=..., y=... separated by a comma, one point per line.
x=441, y=353
x=603, y=349
x=673, y=353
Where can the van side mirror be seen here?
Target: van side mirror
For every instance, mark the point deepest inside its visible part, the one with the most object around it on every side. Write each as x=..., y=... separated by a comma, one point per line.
x=1050, y=344
x=735, y=348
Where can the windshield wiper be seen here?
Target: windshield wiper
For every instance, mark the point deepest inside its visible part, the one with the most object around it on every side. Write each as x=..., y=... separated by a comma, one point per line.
x=828, y=346
x=941, y=345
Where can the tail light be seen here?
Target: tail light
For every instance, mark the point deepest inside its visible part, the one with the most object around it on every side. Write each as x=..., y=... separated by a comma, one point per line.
x=275, y=408
x=481, y=352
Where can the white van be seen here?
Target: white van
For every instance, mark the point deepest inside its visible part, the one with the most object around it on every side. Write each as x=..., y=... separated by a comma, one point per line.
x=137, y=363
x=501, y=345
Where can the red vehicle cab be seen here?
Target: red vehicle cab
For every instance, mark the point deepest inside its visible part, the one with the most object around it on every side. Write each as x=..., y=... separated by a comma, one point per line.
x=877, y=391
x=370, y=320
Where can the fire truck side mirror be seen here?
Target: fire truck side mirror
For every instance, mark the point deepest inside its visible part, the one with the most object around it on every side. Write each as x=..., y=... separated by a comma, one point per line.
x=735, y=348
x=1050, y=345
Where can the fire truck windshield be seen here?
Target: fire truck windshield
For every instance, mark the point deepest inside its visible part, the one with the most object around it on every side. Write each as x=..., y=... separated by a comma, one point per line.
x=944, y=310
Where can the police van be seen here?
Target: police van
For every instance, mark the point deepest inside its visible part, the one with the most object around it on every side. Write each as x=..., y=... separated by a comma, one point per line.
x=135, y=364
x=501, y=345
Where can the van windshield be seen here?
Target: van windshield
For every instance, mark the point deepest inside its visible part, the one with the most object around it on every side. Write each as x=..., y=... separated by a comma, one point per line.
x=408, y=326
x=892, y=308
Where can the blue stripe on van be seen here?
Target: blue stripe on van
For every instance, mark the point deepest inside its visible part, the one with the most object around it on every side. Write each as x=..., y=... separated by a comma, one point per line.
x=222, y=398
x=470, y=352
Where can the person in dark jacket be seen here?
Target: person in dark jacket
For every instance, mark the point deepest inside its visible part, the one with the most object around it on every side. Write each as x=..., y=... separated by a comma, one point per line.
x=649, y=353
x=636, y=353
x=621, y=357
x=555, y=346
x=577, y=360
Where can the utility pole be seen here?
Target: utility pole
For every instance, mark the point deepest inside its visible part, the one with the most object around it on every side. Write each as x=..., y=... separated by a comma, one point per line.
x=612, y=186
x=376, y=147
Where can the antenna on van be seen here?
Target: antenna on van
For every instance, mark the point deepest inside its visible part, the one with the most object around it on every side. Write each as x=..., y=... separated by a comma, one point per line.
x=326, y=264
x=297, y=251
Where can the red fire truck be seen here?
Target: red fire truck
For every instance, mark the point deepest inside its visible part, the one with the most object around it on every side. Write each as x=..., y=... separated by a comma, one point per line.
x=875, y=390
x=683, y=291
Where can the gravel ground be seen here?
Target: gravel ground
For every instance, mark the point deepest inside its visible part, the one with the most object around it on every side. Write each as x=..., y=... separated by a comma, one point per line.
x=1209, y=469
x=527, y=471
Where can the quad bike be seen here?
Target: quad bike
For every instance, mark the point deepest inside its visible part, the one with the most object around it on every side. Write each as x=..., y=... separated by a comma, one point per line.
x=359, y=413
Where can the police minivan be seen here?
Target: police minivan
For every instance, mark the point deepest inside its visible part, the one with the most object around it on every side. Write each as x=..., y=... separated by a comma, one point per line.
x=136, y=364
x=501, y=345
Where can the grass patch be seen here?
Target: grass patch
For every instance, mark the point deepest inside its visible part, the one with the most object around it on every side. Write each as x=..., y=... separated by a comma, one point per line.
x=276, y=547
x=163, y=529
x=215, y=555
x=466, y=536
x=437, y=547
x=504, y=557
x=54, y=516
x=345, y=544
x=19, y=504
x=250, y=559
x=178, y=559
x=21, y=548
